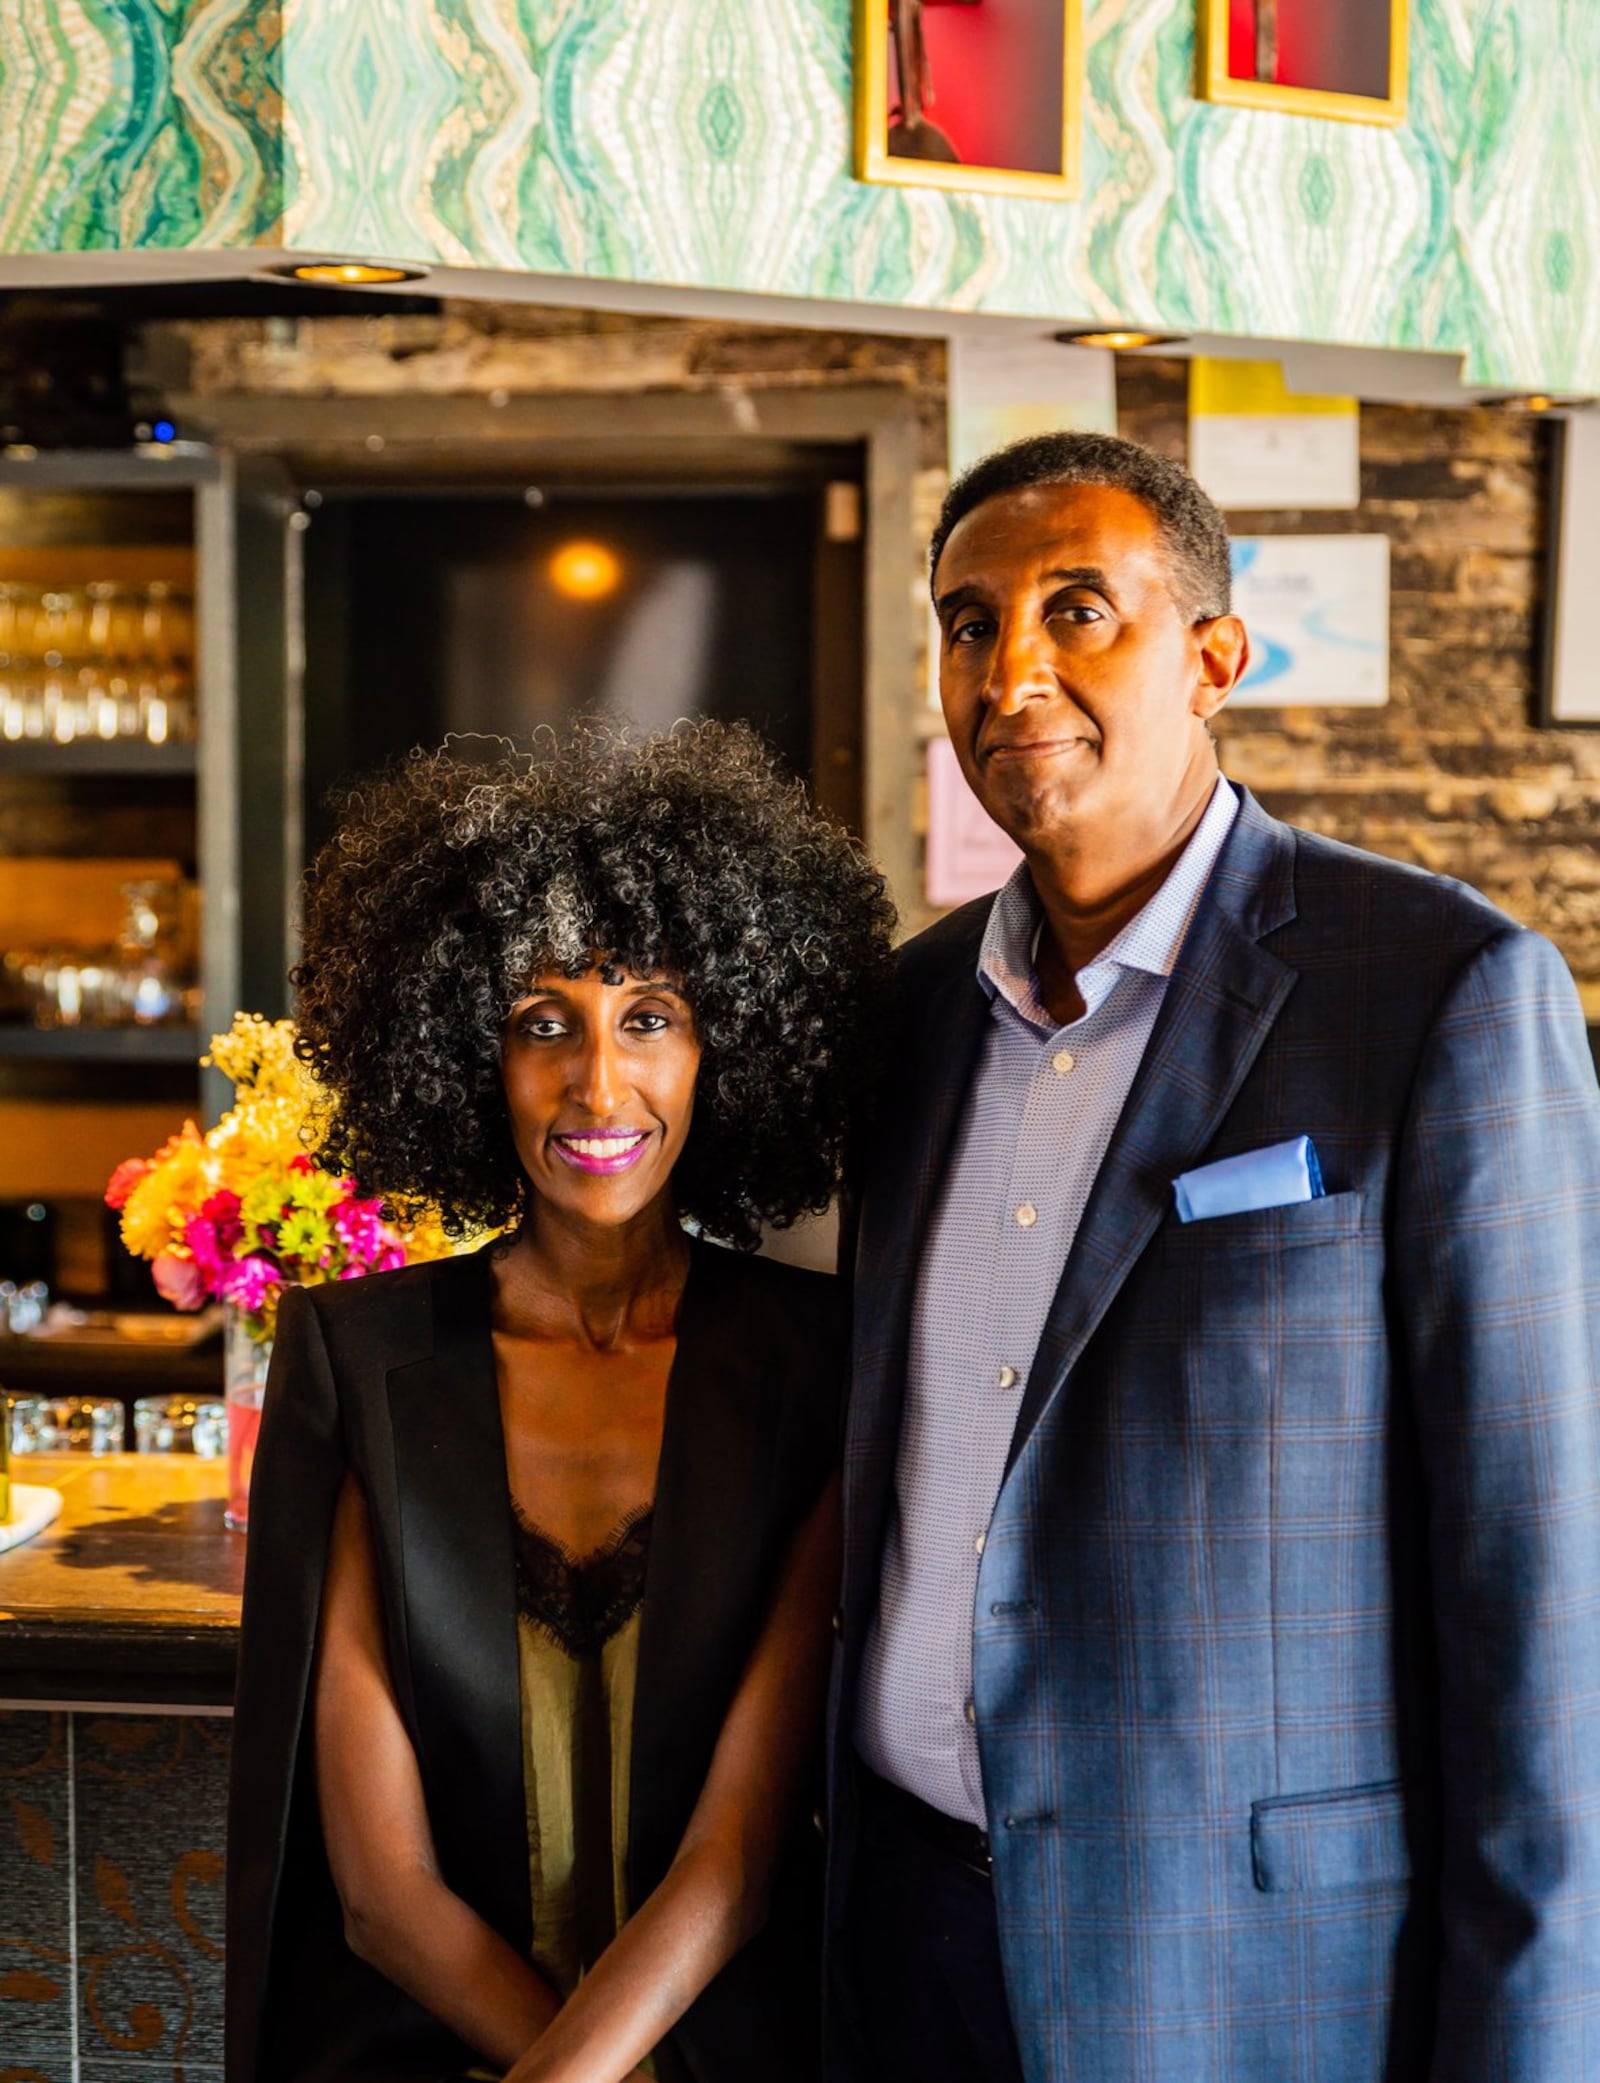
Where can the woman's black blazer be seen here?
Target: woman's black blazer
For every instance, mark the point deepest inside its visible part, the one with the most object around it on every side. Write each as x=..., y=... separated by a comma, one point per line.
x=394, y=1377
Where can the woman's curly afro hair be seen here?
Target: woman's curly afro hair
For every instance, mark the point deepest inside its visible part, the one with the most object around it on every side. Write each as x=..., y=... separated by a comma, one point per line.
x=450, y=884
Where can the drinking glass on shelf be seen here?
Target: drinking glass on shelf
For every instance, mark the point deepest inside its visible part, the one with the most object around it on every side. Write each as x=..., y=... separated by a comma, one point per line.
x=155, y=950
x=166, y=625
x=67, y=1425
x=19, y=614
x=61, y=624
x=22, y=1309
x=72, y=987
x=181, y=1425
x=123, y=624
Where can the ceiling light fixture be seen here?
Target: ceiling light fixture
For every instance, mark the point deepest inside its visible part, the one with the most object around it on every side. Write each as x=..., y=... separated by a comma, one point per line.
x=1121, y=339
x=348, y=274
x=1536, y=401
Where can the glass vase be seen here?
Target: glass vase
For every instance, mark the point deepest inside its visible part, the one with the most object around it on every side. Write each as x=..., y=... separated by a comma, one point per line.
x=246, y=1354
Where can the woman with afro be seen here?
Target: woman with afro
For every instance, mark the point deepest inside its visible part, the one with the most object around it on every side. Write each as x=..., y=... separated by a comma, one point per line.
x=543, y=1540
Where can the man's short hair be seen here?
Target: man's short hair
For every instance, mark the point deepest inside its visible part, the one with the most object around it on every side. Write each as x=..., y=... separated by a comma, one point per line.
x=1195, y=533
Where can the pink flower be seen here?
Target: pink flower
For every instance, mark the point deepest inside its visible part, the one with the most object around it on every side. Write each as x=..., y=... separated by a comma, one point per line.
x=124, y=1179
x=247, y=1283
x=360, y=1228
x=180, y=1280
x=222, y=1211
x=200, y=1234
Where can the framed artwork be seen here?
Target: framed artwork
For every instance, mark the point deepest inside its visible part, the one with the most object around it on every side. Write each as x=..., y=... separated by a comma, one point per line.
x=1344, y=59
x=1570, y=690
x=970, y=94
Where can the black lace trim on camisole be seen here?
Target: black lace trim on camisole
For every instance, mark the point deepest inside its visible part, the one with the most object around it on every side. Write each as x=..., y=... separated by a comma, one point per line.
x=581, y=1602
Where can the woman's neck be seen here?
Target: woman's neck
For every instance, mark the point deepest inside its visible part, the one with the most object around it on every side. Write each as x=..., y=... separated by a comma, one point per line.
x=600, y=1286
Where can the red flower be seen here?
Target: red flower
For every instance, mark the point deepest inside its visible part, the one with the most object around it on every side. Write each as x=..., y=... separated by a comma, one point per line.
x=124, y=1179
x=221, y=1210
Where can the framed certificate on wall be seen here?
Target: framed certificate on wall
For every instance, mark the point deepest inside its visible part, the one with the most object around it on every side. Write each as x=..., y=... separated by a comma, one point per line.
x=969, y=94
x=1344, y=59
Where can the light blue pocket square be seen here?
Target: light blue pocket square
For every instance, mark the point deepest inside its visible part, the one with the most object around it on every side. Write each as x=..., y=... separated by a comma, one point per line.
x=1276, y=1177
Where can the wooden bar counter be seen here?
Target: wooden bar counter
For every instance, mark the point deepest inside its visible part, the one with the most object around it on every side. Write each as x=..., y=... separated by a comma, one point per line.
x=132, y=1596
x=118, y=1633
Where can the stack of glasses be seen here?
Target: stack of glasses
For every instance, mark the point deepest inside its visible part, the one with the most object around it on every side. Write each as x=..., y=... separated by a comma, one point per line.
x=101, y=661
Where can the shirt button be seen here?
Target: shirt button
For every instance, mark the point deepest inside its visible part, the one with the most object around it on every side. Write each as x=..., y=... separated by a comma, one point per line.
x=1008, y=1377
x=1062, y=1061
x=972, y=1713
x=1027, y=1216
x=980, y=1544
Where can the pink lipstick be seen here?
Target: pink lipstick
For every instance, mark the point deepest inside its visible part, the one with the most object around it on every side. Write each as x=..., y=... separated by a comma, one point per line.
x=602, y=1151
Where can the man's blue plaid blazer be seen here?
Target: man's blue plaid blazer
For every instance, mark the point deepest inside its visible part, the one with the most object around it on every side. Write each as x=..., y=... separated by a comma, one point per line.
x=1287, y=1638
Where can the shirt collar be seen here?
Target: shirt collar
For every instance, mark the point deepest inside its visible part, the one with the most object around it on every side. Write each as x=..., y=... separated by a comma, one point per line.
x=1150, y=941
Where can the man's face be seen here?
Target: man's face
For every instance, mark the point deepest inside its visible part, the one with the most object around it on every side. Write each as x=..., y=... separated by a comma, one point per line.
x=1075, y=691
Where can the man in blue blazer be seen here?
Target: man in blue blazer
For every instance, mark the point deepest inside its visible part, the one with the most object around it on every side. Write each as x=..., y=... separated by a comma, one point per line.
x=1218, y=1697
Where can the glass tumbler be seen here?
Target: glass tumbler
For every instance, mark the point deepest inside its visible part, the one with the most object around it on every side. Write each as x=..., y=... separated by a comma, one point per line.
x=67, y=1425
x=181, y=1425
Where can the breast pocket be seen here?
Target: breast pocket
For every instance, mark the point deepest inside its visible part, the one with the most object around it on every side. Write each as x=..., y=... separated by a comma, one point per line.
x=1350, y=1837
x=1331, y=1219
x=1276, y=1310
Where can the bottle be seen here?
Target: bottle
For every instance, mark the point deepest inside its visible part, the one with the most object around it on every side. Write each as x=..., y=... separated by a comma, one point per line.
x=5, y=1459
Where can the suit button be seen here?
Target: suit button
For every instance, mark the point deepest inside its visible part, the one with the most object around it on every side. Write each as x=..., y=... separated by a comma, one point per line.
x=838, y=1621
x=972, y=1713
x=819, y=1823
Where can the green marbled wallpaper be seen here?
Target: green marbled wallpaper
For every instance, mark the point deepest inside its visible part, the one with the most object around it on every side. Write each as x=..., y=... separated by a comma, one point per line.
x=139, y=123
x=708, y=142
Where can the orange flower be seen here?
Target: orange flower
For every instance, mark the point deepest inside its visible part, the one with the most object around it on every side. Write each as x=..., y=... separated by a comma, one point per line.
x=124, y=1179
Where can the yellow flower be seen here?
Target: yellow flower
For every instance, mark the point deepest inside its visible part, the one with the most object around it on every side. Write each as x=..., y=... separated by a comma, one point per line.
x=156, y=1211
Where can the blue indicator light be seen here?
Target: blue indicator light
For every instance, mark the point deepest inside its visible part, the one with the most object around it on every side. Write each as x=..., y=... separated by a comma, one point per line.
x=163, y=430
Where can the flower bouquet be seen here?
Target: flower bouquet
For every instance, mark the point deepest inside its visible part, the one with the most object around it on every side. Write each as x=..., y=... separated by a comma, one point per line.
x=241, y=1212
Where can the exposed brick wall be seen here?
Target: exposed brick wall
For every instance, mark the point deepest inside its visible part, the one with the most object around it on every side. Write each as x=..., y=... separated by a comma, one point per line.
x=481, y=349
x=1454, y=774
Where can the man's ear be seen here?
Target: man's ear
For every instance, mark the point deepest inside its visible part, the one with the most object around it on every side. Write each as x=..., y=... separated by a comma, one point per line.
x=1222, y=648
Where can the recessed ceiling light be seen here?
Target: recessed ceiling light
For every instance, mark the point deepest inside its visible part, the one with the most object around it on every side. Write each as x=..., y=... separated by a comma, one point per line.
x=348, y=274
x=1123, y=339
x=1535, y=401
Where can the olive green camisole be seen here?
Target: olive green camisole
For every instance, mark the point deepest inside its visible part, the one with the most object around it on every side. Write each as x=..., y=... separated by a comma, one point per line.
x=578, y=1648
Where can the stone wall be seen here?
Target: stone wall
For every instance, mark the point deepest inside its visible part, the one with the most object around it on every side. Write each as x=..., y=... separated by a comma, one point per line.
x=1454, y=774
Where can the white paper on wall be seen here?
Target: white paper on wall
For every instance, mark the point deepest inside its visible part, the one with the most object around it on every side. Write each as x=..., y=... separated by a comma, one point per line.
x=1317, y=609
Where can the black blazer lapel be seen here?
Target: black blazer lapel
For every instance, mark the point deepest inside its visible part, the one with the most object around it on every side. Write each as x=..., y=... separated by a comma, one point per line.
x=1219, y=1008
x=710, y=1548
x=459, y=1604
x=918, y=1120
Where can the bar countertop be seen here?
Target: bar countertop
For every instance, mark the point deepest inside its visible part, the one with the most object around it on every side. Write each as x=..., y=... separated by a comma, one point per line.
x=132, y=1596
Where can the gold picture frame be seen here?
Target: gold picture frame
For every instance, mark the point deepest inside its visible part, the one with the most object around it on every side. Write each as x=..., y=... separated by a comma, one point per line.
x=1217, y=82
x=874, y=161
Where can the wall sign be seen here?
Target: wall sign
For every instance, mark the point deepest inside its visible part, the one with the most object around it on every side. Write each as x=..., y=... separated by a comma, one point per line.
x=1317, y=609
x=968, y=854
x=969, y=94
x=1344, y=59
x=1254, y=443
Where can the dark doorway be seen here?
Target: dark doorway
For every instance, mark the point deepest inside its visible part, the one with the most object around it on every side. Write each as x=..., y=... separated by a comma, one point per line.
x=497, y=614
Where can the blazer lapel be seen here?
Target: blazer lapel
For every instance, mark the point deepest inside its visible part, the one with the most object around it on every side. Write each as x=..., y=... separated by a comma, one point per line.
x=706, y=1547
x=1220, y=1005
x=914, y=1137
x=460, y=1600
